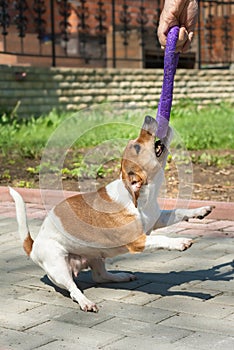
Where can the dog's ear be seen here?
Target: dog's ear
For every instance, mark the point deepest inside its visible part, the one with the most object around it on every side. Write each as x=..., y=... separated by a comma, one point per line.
x=133, y=178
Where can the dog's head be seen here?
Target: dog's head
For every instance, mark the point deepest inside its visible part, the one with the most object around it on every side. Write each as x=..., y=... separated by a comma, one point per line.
x=144, y=157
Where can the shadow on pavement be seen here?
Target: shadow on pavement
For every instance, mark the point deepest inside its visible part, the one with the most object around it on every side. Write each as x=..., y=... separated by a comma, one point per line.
x=159, y=283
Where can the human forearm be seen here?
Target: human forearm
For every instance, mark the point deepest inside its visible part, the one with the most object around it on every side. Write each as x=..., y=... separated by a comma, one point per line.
x=182, y=13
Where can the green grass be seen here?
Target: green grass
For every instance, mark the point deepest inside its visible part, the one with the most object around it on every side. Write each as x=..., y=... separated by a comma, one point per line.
x=211, y=127
x=27, y=137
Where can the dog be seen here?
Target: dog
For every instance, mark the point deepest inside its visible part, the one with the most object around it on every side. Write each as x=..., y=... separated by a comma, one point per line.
x=85, y=229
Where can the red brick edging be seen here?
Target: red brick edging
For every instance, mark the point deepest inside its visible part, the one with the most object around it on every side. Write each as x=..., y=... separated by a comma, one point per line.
x=222, y=211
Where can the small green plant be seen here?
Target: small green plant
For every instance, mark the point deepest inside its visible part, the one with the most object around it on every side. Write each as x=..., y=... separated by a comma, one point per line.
x=213, y=159
x=34, y=170
x=23, y=183
x=6, y=175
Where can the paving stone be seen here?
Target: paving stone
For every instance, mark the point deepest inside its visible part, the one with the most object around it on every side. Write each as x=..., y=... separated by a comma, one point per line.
x=219, y=249
x=99, y=293
x=157, y=289
x=24, y=266
x=139, y=298
x=10, y=239
x=218, y=272
x=43, y=313
x=50, y=297
x=11, y=277
x=194, y=290
x=16, y=340
x=229, y=229
x=220, y=224
x=135, y=328
x=224, y=299
x=172, y=278
x=16, y=321
x=79, y=318
x=200, y=323
x=135, y=312
x=192, y=306
x=230, y=318
x=13, y=305
x=194, y=264
x=136, y=343
x=11, y=291
x=75, y=334
x=65, y=345
x=226, y=259
x=8, y=226
x=203, y=232
x=146, y=262
x=206, y=341
x=184, y=285
x=218, y=285
x=33, y=283
x=177, y=228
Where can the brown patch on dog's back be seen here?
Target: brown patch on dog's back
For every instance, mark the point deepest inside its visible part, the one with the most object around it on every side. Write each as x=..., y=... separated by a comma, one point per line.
x=96, y=219
x=103, y=194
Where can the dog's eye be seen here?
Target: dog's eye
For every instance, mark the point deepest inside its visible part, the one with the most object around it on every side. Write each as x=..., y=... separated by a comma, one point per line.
x=159, y=147
x=137, y=148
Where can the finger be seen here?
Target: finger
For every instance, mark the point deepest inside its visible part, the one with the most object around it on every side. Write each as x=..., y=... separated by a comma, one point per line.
x=182, y=39
x=188, y=43
x=183, y=36
x=162, y=37
x=162, y=31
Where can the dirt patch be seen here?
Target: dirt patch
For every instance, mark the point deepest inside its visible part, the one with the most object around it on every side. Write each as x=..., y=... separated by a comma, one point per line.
x=212, y=180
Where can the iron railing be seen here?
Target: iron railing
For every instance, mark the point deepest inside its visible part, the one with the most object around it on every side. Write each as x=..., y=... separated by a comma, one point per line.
x=108, y=33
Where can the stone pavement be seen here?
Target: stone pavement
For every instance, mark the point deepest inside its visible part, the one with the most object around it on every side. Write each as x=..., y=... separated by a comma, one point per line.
x=180, y=300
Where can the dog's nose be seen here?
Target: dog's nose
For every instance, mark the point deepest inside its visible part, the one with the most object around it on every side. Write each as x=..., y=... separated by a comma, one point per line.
x=148, y=119
x=150, y=125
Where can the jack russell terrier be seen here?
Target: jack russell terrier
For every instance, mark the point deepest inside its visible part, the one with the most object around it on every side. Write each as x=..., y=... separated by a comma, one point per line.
x=83, y=230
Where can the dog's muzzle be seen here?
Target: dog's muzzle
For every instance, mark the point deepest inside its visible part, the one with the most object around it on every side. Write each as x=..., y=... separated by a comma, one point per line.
x=150, y=125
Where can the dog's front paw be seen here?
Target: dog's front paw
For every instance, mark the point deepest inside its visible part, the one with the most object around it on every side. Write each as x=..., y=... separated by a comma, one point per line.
x=85, y=303
x=180, y=244
x=90, y=306
x=202, y=212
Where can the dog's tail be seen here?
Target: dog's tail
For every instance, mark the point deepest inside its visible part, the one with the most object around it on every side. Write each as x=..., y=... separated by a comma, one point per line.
x=21, y=217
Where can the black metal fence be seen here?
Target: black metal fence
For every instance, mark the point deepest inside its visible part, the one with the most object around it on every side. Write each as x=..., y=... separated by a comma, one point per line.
x=108, y=33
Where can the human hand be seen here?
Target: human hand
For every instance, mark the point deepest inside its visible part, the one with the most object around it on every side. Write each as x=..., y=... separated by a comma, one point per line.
x=182, y=13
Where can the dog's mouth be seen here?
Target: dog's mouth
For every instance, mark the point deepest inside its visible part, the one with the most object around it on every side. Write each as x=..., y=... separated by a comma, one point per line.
x=159, y=148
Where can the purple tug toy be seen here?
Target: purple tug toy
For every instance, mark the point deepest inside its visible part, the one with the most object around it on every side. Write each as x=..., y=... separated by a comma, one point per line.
x=170, y=63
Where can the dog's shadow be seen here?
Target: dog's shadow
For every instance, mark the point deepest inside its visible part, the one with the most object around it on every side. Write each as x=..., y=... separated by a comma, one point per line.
x=159, y=283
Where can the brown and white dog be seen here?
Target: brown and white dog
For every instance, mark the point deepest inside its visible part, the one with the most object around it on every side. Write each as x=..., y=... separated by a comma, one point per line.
x=83, y=230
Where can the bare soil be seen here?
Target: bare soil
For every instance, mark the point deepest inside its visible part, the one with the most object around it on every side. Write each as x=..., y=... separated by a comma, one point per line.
x=210, y=182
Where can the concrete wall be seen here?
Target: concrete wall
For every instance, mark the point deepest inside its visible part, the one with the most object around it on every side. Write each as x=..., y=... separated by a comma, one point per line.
x=41, y=89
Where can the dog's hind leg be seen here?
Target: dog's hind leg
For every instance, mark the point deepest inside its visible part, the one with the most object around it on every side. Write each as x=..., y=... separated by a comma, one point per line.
x=101, y=275
x=171, y=217
x=58, y=270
